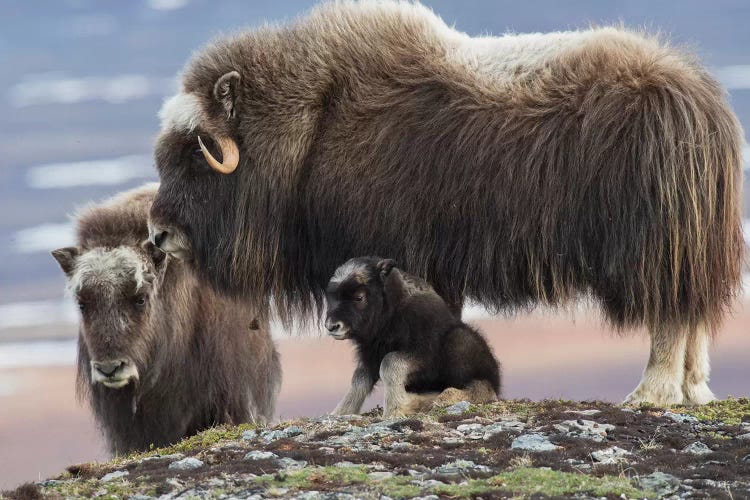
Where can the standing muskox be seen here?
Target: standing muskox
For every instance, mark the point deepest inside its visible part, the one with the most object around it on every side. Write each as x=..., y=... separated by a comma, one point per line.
x=159, y=356
x=513, y=171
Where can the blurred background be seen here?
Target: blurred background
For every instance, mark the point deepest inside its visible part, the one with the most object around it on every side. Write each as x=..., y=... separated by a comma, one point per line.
x=82, y=81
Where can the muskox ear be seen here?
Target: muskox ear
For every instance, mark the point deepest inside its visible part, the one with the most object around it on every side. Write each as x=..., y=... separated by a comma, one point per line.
x=66, y=257
x=226, y=91
x=155, y=253
x=385, y=267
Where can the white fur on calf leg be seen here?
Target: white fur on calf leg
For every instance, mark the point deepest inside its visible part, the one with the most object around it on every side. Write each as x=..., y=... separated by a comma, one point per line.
x=361, y=386
x=394, y=370
x=662, y=380
x=697, y=368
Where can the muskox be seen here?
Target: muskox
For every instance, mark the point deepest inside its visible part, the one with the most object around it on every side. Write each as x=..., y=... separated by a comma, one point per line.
x=160, y=356
x=406, y=336
x=513, y=171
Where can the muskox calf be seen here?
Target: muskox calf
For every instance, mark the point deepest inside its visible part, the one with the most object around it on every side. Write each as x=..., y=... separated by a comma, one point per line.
x=160, y=357
x=405, y=335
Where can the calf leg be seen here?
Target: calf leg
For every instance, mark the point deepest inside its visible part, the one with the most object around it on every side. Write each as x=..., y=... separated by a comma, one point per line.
x=394, y=372
x=361, y=386
x=697, y=367
x=663, y=377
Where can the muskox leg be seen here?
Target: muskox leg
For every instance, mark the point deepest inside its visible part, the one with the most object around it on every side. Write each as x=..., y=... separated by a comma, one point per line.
x=697, y=367
x=361, y=386
x=394, y=371
x=662, y=380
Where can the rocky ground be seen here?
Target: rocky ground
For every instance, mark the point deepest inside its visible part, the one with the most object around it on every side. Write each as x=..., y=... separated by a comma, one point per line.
x=501, y=450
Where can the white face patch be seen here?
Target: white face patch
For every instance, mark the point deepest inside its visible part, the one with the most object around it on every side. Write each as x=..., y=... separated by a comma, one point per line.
x=345, y=270
x=107, y=268
x=181, y=112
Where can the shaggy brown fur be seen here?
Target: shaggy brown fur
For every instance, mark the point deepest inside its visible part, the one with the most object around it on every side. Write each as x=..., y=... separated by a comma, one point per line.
x=610, y=167
x=190, y=358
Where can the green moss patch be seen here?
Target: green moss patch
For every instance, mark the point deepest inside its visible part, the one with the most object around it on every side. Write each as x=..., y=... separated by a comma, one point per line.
x=528, y=481
x=731, y=411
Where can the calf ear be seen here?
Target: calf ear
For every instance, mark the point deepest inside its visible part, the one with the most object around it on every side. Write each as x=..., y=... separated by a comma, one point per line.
x=155, y=253
x=66, y=257
x=385, y=267
x=226, y=91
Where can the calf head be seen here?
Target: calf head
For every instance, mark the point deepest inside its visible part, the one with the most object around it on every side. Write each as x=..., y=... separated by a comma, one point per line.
x=115, y=290
x=360, y=297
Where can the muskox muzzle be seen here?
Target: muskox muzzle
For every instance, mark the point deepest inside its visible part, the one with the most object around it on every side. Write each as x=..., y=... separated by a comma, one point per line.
x=113, y=373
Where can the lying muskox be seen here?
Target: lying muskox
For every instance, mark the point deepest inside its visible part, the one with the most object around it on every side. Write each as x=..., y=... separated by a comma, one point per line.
x=406, y=336
x=160, y=357
x=513, y=171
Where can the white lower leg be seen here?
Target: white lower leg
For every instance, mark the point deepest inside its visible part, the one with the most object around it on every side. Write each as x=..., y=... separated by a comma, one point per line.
x=662, y=380
x=697, y=368
x=394, y=370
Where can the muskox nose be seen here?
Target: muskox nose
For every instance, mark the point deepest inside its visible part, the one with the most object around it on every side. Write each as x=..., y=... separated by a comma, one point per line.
x=107, y=368
x=159, y=238
x=333, y=326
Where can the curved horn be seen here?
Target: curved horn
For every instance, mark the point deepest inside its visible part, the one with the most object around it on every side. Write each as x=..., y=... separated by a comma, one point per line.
x=229, y=153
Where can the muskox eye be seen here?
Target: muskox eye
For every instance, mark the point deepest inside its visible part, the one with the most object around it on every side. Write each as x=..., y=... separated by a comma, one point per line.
x=81, y=306
x=359, y=297
x=140, y=301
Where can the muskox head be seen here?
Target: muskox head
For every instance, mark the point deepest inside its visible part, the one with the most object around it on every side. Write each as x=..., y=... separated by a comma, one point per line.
x=114, y=290
x=196, y=155
x=360, y=297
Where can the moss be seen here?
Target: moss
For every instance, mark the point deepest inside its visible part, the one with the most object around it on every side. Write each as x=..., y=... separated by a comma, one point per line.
x=204, y=439
x=528, y=481
x=312, y=477
x=731, y=411
x=397, y=487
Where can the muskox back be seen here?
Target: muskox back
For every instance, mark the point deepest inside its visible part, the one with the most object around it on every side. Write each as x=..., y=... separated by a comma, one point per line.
x=160, y=357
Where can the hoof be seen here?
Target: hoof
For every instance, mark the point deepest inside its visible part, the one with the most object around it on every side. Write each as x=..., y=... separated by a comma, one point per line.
x=697, y=394
x=666, y=395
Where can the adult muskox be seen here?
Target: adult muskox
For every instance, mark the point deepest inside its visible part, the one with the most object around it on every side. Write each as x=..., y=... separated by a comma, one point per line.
x=159, y=356
x=513, y=171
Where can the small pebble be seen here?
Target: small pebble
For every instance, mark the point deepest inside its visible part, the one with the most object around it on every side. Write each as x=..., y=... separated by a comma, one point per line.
x=697, y=448
x=458, y=408
x=114, y=475
x=188, y=463
x=260, y=455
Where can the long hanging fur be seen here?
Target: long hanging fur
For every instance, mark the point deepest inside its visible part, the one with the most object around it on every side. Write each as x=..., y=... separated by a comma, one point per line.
x=609, y=167
x=203, y=359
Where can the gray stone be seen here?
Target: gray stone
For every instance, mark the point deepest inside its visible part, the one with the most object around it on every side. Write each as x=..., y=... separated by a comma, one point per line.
x=746, y=458
x=744, y=436
x=379, y=475
x=114, y=475
x=260, y=455
x=458, y=408
x=401, y=446
x=467, y=428
x=249, y=435
x=697, y=448
x=585, y=413
x=139, y=497
x=533, y=442
x=612, y=455
x=585, y=429
x=502, y=426
x=172, y=456
x=287, y=432
x=188, y=463
x=345, y=464
x=453, y=440
x=292, y=464
x=461, y=466
x=681, y=418
x=660, y=483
